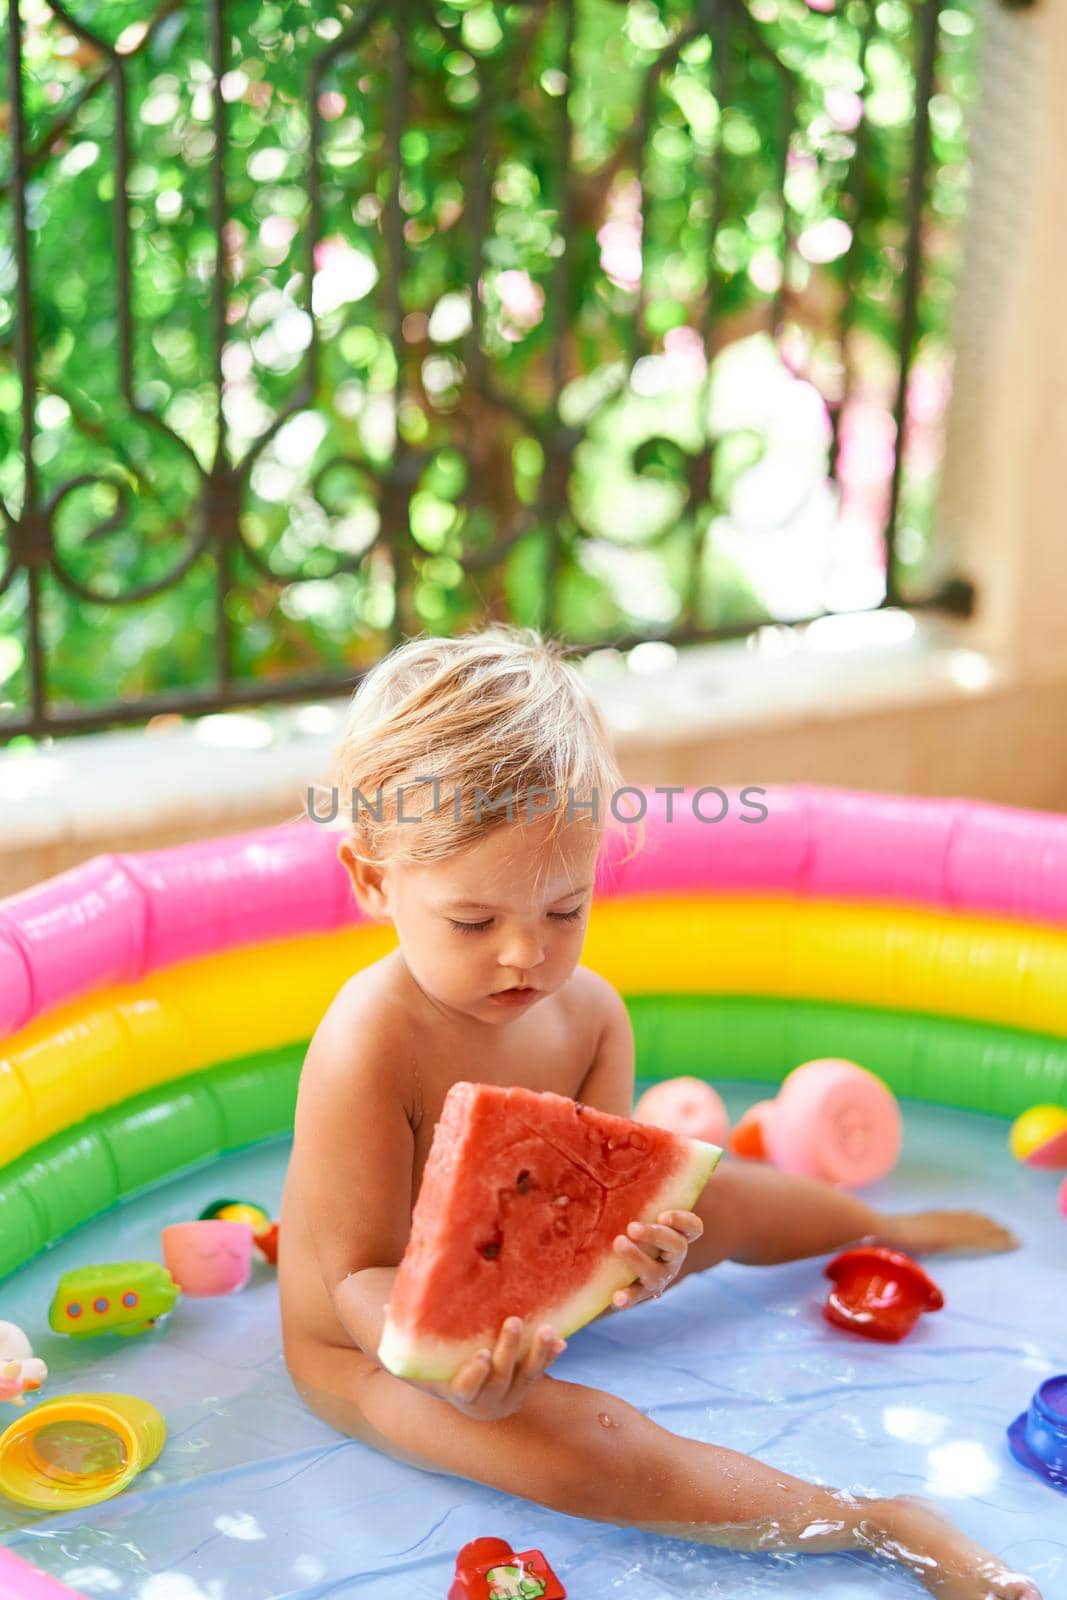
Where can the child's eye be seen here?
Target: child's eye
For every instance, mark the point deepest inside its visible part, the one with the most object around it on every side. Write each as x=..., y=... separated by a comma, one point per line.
x=480, y=927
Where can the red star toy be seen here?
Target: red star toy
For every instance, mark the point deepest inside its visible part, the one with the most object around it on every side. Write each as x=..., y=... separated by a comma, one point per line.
x=488, y=1569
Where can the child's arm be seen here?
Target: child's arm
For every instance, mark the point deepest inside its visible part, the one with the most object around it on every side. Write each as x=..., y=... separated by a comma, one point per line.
x=354, y=1151
x=609, y=1083
x=354, y=1148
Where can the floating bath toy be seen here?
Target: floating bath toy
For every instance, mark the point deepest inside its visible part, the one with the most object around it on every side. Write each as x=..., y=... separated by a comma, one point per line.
x=21, y=1372
x=264, y=1231
x=117, y=1297
x=267, y=1243
x=879, y=1293
x=209, y=1258
x=78, y=1450
x=832, y=1120
x=488, y=1569
x=1038, y=1438
x=1039, y=1137
x=257, y=1216
x=687, y=1106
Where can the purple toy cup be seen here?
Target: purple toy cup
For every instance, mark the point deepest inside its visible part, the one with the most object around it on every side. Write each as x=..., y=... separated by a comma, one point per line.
x=208, y=1258
x=1038, y=1438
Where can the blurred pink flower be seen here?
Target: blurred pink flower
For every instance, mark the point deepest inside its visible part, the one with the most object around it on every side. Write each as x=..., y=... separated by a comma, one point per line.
x=844, y=108
x=332, y=245
x=276, y=232
x=867, y=438
x=522, y=303
x=929, y=390
x=331, y=105
x=825, y=241
x=619, y=237
x=684, y=348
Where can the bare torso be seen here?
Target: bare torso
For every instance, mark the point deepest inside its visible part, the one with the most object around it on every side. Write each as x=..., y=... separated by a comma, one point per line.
x=552, y=1046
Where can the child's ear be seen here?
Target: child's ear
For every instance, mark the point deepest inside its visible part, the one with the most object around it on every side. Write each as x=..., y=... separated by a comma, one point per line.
x=367, y=882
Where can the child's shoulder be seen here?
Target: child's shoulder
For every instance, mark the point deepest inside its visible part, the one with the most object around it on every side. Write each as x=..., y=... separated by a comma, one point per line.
x=361, y=1024
x=594, y=1011
x=592, y=992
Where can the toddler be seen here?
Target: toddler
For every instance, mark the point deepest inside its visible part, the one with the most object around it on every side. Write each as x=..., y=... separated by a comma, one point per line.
x=459, y=747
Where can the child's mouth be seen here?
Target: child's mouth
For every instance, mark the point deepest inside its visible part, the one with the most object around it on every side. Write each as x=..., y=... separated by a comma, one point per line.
x=514, y=997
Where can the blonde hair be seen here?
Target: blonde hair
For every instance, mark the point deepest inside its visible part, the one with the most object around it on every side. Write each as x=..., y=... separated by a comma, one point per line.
x=489, y=714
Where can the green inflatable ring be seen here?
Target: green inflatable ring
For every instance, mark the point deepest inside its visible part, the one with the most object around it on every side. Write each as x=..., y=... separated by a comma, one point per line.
x=79, y=1174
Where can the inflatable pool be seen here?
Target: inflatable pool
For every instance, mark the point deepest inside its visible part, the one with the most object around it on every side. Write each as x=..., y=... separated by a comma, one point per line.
x=154, y=1012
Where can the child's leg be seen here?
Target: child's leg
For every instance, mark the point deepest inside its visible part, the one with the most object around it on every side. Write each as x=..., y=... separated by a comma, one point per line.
x=755, y=1214
x=583, y=1452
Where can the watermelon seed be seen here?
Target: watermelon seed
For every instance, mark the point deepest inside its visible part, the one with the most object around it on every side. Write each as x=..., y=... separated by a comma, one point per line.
x=523, y=1181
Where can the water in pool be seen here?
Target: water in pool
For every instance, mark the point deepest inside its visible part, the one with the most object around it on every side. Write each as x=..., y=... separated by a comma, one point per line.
x=254, y=1499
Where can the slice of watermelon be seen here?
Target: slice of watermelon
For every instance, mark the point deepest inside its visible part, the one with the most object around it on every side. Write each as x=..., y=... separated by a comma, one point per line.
x=522, y=1196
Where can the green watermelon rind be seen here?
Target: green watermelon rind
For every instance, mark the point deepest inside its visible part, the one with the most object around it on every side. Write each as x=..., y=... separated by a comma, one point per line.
x=433, y=1360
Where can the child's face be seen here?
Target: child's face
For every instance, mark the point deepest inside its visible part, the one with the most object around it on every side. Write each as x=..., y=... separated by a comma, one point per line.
x=511, y=911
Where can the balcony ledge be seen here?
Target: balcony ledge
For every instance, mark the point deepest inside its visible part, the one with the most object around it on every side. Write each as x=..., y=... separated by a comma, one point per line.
x=65, y=800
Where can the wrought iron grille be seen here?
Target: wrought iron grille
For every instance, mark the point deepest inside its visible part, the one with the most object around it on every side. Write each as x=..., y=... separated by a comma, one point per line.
x=322, y=325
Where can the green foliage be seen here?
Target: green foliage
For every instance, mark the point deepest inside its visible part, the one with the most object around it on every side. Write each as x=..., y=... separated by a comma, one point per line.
x=492, y=358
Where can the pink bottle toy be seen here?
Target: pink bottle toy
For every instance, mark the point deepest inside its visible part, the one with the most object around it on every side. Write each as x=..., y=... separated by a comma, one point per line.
x=831, y=1120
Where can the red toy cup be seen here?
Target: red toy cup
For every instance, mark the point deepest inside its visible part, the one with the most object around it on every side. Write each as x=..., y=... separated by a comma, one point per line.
x=879, y=1293
x=488, y=1569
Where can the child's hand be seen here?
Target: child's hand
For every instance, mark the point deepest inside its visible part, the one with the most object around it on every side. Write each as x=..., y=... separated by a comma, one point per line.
x=665, y=1243
x=492, y=1384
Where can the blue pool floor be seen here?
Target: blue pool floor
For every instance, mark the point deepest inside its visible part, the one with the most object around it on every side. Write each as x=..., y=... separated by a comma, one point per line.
x=255, y=1499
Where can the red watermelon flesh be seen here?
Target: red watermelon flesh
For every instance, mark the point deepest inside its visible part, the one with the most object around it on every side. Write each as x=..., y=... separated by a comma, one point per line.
x=522, y=1196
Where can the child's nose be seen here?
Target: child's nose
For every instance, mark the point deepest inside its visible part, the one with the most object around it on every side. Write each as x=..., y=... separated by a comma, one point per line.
x=523, y=950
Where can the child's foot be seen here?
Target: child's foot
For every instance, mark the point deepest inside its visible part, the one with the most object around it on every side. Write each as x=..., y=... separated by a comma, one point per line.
x=951, y=1566
x=930, y=1232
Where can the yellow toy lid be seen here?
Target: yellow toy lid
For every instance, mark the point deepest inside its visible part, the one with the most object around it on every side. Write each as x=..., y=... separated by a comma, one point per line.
x=78, y=1449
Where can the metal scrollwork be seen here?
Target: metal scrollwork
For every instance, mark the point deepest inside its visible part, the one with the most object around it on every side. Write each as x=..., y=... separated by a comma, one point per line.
x=418, y=287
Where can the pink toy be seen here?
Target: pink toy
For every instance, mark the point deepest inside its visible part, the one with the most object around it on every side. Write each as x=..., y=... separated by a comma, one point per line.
x=832, y=1120
x=686, y=1106
x=21, y=1372
x=208, y=1258
x=20, y=1581
x=1063, y=1198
